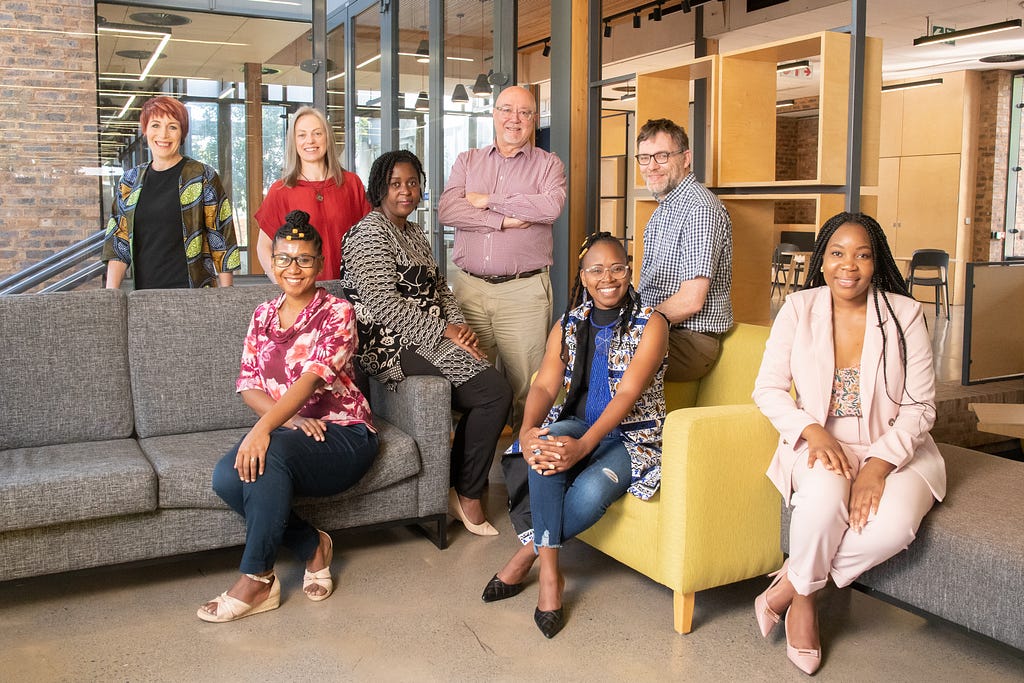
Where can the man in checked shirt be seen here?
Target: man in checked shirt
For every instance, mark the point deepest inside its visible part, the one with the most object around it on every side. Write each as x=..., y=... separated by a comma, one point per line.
x=502, y=199
x=686, y=272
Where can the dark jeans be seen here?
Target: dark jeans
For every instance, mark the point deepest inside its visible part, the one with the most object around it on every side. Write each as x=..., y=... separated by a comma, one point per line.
x=296, y=465
x=568, y=503
x=484, y=402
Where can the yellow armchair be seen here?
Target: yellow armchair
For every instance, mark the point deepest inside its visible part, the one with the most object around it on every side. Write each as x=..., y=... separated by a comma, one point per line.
x=716, y=518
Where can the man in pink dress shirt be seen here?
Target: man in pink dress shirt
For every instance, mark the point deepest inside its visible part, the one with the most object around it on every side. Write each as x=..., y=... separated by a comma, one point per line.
x=502, y=199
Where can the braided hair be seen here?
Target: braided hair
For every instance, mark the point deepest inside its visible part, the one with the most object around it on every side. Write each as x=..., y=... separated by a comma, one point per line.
x=579, y=291
x=885, y=280
x=380, y=174
x=296, y=227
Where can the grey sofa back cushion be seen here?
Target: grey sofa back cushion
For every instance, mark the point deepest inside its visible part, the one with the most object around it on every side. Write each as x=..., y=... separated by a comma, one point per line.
x=64, y=375
x=185, y=347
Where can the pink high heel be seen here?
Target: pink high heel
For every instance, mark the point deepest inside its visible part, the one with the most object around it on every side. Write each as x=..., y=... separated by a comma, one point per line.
x=807, y=660
x=766, y=616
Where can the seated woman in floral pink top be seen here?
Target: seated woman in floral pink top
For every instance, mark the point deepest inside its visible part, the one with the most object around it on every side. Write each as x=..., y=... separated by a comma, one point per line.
x=314, y=436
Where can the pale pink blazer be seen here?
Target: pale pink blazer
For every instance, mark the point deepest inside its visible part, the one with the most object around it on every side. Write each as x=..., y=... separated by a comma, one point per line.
x=800, y=353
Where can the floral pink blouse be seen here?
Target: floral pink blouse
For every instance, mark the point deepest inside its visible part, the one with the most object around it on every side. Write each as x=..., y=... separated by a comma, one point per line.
x=322, y=341
x=845, y=400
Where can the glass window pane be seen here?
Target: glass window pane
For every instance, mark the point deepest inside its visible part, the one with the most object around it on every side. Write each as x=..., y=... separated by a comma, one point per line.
x=367, y=101
x=336, y=84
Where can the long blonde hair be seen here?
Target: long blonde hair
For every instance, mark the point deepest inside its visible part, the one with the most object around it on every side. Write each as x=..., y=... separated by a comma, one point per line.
x=292, y=162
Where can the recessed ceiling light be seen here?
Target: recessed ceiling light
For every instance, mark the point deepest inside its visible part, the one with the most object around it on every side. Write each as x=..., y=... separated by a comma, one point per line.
x=136, y=54
x=160, y=19
x=1001, y=59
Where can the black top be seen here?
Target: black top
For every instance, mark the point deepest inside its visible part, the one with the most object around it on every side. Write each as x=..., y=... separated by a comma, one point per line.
x=158, y=242
x=576, y=401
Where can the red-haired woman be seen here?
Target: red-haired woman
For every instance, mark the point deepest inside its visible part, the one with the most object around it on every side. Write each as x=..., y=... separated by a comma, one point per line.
x=171, y=220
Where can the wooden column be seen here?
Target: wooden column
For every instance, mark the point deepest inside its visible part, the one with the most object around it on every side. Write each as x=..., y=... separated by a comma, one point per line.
x=253, y=156
x=579, y=93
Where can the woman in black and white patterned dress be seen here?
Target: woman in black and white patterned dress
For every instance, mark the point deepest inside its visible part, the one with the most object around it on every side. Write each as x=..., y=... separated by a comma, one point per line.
x=410, y=324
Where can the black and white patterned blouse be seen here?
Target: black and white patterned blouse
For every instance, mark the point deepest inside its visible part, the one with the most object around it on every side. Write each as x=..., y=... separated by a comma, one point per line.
x=401, y=301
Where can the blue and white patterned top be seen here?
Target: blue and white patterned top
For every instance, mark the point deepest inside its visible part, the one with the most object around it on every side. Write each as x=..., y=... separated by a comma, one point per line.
x=641, y=428
x=690, y=236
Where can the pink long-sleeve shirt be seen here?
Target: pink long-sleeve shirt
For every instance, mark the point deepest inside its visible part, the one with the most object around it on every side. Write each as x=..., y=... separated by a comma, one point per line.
x=529, y=186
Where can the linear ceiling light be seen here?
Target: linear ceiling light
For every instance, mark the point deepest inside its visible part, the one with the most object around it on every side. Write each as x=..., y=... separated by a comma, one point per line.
x=969, y=32
x=124, y=109
x=912, y=84
x=786, y=66
x=121, y=29
x=784, y=103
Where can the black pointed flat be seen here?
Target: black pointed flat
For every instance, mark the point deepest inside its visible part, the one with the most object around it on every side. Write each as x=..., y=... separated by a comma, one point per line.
x=550, y=622
x=496, y=589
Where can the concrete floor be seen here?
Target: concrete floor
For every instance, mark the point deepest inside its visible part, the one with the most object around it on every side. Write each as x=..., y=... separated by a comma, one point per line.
x=406, y=611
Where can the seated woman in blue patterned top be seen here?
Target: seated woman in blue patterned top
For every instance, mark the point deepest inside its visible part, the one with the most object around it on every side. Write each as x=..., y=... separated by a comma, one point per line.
x=608, y=354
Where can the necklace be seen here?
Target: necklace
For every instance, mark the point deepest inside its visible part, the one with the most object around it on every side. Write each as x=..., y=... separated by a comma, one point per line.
x=319, y=190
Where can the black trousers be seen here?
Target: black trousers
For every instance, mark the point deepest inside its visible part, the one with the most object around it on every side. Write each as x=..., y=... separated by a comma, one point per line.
x=484, y=402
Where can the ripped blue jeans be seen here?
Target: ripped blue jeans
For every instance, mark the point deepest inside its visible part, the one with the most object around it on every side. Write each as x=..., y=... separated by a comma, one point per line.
x=565, y=504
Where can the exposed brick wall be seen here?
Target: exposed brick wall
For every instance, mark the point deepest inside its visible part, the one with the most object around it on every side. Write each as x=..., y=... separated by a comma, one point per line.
x=48, y=110
x=796, y=156
x=993, y=161
x=785, y=148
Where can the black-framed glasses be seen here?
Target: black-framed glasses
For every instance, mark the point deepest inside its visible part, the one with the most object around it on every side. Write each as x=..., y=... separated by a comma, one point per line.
x=285, y=261
x=660, y=157
x=617, y=271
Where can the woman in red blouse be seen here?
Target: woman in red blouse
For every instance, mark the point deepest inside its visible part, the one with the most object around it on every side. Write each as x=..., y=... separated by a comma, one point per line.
x=314, y=435
x=313, y=181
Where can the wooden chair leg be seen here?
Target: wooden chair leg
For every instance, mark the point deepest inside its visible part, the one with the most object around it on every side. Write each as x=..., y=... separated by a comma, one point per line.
x=682, y=607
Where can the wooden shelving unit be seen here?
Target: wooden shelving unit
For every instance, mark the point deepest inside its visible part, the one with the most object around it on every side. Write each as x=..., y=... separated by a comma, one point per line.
x=747, y=111
x=613, y=183
x=741, y=141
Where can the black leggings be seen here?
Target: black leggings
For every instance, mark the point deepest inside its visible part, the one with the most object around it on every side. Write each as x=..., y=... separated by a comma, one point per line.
x=484, y=402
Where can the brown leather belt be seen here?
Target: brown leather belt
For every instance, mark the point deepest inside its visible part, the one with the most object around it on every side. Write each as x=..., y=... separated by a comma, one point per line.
x=498, y=279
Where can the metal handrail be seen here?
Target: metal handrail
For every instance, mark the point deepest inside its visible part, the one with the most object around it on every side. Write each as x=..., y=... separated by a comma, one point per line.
x=56, y=264
x=79, y=277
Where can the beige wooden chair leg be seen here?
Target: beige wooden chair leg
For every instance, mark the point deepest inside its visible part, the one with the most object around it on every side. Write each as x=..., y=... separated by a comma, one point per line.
x=682, y=607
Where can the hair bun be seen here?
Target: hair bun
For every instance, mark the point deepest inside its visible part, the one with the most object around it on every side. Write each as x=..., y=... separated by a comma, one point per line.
x=297, y=219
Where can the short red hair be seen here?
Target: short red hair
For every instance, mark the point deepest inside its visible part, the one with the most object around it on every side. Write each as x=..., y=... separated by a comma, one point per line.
x=165, y=106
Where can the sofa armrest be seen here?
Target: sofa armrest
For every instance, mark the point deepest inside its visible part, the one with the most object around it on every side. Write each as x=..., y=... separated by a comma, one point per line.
x=719, y=515
x=421, y=407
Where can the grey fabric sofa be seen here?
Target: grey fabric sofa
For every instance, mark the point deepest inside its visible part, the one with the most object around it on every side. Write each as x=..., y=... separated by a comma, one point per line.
x=967, y=563
x=114, y=409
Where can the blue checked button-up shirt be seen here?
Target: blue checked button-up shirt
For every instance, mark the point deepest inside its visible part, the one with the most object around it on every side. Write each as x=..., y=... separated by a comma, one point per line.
x=690, y=236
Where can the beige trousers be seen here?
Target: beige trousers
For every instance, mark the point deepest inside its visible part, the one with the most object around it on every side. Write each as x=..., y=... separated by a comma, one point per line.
x=511, y=321
x=690, y=355
x=821, y=542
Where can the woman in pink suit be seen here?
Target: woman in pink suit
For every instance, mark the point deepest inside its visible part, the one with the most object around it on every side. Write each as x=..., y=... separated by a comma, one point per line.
x=855, y=460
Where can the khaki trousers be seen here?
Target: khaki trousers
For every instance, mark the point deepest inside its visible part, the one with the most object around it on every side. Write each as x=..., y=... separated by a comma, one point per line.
x=690, y=355
x=511, y=321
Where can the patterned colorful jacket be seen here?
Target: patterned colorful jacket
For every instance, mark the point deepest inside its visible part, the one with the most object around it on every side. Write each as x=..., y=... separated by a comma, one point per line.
x=641, y=428
x=206, y=217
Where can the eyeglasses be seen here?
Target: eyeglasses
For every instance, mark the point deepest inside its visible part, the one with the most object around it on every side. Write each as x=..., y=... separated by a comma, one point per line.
x=524, y=114
x=660, y=157
x=285, y=261
x=617, y=271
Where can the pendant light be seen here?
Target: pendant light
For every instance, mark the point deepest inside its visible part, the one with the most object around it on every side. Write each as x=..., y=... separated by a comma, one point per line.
x=481, y=87
x=459, y=94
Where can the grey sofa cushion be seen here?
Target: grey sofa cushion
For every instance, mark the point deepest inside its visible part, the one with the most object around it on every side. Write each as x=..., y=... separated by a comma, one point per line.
x=184, y=465
x=185, y=348
x=64, y=375
x=48, y=485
